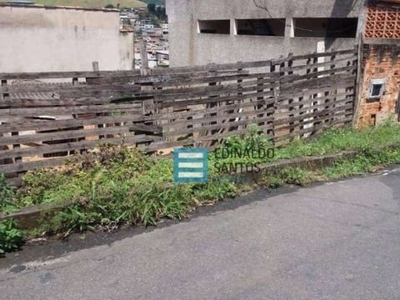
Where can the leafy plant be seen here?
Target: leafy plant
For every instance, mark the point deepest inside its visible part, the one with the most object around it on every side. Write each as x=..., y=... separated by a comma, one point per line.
x=8, y=195
x=11, y=238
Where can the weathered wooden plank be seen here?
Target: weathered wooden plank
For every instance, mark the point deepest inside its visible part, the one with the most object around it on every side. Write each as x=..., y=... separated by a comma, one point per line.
x=186, y=80
x=219, y=136
x=212, y=110
x=217, y=118
x=285, y=137
x=65, y=135
x=119, y=91
x=155, y=72
x=73, y=74
x=167, y=78
x=340, y=81
x=23, y=103
x=318, y=65
x=320, y=106
x=214, y=90
x=77, y=100
x=70, y=110
x=215, y=127
x=325, y=120
x=296, y=93
x=322, y=54
x=316, y=115
x=212, y=67
x=190, y=141
x=113, y=80
x=42, y=125
x=27, y=166
x=184, y=103
x=309, y=102
x=167, y=145
x=71, y=146
x=64, y=88
x=313, y=75
x=215, y=97
x=199, y=76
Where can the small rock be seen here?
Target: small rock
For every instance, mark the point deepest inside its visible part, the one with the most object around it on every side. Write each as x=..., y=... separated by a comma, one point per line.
x=37, y=240
x=18, y=269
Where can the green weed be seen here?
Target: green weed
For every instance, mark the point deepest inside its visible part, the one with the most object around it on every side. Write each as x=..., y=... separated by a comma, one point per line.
x=11, y=238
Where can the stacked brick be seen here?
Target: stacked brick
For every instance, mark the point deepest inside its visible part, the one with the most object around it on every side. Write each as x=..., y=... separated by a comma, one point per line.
x=383, y=22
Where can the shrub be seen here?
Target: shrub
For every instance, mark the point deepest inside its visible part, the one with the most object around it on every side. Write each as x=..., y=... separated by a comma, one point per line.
x=11, y=238
x=8, y=195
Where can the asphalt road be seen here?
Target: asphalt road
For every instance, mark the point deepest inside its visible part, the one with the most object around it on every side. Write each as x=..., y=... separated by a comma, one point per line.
x=338, y=240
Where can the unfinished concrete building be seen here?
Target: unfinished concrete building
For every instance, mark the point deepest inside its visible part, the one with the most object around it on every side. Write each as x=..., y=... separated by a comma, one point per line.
x=226, y=31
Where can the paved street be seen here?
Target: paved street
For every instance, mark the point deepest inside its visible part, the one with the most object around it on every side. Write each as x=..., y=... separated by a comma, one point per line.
x=338, y=240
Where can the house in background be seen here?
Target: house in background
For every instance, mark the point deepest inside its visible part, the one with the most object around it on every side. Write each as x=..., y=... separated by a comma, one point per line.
x=227, y=31
x=35, y=38
x=379, y=94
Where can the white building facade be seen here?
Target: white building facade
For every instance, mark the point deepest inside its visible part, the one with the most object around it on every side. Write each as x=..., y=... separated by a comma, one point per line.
x=42, y=39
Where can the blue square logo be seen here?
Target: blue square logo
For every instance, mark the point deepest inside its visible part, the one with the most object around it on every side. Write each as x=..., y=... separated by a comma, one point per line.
x=190, y=165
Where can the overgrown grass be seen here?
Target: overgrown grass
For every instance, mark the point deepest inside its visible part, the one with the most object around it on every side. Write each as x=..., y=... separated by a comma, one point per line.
x=117, y=185
x=336, y=140
x=10, y=237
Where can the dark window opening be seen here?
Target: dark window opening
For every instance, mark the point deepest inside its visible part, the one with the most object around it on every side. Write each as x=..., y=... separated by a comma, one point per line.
x=266, y=27
x=376, y=90
x=325, y=27
x=215, y=26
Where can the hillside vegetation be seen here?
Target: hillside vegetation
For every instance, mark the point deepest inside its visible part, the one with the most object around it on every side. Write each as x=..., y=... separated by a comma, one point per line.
x=92, y=3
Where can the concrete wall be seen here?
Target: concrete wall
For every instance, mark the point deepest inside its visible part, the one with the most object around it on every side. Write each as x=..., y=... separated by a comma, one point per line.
x=37, y=39
x=188, y=47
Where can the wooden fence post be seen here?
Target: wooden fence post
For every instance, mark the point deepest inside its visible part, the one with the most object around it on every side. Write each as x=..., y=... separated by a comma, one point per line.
x=6, y=96
x=315, y=103
x=269, y=124
x=291, y=101
x=334, y=93
x=260, y=107
x=96, y=68
x=148, y=105
x=239, y=82
x=359, y=83
x=276, y=94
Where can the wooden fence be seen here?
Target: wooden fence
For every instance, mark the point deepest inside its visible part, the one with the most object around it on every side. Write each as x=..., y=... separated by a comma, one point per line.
x=45, y=117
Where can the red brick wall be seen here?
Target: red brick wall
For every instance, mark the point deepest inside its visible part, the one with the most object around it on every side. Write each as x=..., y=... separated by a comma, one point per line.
x=380, y=62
